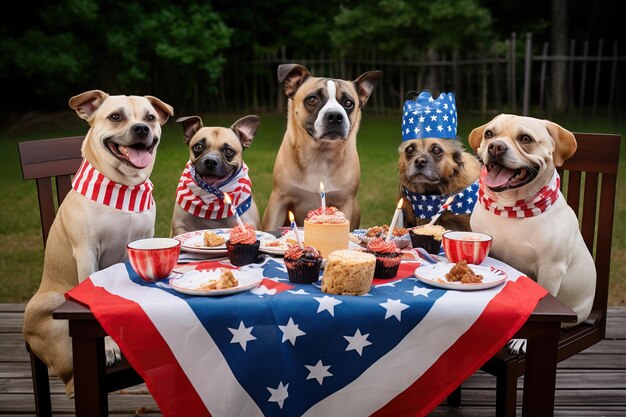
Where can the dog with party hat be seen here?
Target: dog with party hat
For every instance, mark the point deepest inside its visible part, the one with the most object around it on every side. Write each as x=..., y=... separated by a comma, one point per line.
x=435, y=172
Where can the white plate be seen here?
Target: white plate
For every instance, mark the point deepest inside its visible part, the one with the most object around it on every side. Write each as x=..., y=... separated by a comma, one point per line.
x=189, y=282
x=431, y=274
x=284, y=245
x=194, y=241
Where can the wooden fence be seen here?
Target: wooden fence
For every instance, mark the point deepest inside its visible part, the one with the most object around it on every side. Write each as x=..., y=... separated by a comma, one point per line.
x=516, y=79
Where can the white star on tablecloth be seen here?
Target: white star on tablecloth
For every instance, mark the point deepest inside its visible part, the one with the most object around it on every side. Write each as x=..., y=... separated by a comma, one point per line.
x=319, y=371
x=242, y=335
x=299, y=292
x=357, y=342
x=262, y=290
x=388, y=284
x=327, y=303
x=279, y=394
x=419, y=291
x=291, y=331
x=394, y=308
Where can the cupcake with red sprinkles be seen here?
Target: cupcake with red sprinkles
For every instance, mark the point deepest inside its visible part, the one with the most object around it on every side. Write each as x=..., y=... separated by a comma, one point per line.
x=388, y=257
x=303, y=264
x=242, y=245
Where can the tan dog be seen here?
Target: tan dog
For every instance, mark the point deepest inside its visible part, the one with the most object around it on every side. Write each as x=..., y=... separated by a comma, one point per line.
x=87, y=235
x=438, y=167
x=520, y=155
x=323, y=118
x=215, y=155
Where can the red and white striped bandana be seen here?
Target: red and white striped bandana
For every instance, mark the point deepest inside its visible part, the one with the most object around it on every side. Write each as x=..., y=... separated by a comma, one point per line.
x=210, y=205
x=534, y=206
x=89, y=182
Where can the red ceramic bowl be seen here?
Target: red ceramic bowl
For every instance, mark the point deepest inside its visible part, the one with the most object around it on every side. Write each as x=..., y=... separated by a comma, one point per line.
x=473, y=247
x=154, y=258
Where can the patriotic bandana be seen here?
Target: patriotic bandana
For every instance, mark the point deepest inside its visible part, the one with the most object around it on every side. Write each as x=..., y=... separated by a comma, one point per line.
x=534, y=206
x=426, y=117
x=89, y=182
x=425, y=206
x=197, y=197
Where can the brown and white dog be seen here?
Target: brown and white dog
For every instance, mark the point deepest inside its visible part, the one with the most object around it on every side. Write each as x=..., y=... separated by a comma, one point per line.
x=521, y=206
x=215, y=167
x=433, y=165
x=110, y=204
x=319, y=145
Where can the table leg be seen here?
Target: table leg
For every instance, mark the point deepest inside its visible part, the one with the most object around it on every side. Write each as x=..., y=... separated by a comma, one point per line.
x=91, y=397
x=540, y=375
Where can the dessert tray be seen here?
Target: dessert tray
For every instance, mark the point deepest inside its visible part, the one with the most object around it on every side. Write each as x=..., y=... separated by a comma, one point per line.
x=189, y=282
x=194, y=241
x=435, y=276
x=278, y=246
x=360, y=236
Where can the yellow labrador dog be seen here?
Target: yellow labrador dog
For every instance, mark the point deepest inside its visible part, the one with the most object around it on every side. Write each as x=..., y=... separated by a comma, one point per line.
x=109, y=205
x=323, y=119
x=521, y=206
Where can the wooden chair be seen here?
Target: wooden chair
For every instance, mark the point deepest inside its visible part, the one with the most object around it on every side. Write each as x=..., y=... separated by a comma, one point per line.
x=43, y=161
x=596, y=159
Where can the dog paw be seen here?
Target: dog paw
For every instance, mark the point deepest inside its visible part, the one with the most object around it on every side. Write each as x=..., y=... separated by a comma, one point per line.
x=516, y=346
x=112, y=351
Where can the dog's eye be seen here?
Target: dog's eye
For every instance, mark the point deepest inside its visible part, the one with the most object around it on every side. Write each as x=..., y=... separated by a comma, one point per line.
x=151, y=118
x=348, y=104
x=115, y=117
x=488, y=134
x=198, y=147
x=525, y=139
x=436, y=150
x=312, y=100
x=229, y=152
x=409, y=150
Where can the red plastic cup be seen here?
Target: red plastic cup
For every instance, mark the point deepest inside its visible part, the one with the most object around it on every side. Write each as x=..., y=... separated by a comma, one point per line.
x=153, y=259
x=472, y=247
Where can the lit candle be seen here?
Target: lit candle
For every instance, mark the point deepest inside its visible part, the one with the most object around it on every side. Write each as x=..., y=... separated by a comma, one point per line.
x=323, y=195
x=295, y=230
x=396, y=213
x=229, y=202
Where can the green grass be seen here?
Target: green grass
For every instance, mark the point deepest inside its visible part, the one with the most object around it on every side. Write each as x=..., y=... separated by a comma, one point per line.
x=21, y=250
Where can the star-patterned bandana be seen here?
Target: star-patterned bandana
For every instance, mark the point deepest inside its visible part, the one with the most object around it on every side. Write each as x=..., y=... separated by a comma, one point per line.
x=202, y=200
x=90, y=183
x=426, y=117
x=425, y=206
x=534, y=206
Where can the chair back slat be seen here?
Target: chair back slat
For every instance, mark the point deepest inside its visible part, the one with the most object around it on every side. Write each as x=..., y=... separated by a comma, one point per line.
x=43, y=160
x=573, y=191
x=590, y=198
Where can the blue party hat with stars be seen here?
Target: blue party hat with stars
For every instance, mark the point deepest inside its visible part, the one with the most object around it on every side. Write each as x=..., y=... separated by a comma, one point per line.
x=426, y=117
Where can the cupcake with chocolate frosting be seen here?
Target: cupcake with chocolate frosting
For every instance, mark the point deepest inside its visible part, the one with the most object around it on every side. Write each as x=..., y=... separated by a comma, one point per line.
x=303, y=264
x=388, y=257
x=242, y=245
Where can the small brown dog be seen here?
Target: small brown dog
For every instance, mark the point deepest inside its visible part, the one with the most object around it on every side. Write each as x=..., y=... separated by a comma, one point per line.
x=433, y=165
x=215, y=167
x=319, y=145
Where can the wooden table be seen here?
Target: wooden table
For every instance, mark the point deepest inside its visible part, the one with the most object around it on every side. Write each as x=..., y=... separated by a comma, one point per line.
x=93, y=380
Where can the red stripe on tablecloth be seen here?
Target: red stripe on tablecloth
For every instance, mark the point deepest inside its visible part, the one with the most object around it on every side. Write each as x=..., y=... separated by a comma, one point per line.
x=157, y=363
x=488, y=335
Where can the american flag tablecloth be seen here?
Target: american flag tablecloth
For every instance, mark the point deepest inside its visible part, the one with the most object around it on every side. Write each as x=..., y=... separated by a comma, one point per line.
x=284, y=349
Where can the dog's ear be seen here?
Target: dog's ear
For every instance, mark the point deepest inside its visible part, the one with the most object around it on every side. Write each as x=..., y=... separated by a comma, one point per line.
x=163, y=109
x=191, y=124
x=245, y=129
x=365, y=85
x=87, y=103
x=292, y=76
x=476, y=137
x=564, y=142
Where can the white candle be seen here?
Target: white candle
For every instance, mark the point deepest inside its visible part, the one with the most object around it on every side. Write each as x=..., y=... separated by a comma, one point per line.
x=295, y=230
x=229, y=202
x=396, y=213
x=323, y=195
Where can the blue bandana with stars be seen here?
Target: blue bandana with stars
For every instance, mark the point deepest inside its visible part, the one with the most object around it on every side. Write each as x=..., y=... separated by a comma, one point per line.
x=426, y=117
x=425, y=206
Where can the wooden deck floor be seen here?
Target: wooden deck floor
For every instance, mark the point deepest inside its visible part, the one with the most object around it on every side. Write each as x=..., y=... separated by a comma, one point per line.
x=592, y=383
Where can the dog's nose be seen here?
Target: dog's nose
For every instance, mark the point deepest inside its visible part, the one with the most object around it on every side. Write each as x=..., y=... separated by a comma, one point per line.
x=210, y=163
x=141, y=129
x=420, y=162
x=496, y=148
x=334, y=117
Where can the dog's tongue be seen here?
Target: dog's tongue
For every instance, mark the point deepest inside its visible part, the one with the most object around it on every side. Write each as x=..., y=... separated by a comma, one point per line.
x=498, y=176
x=139, y=157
